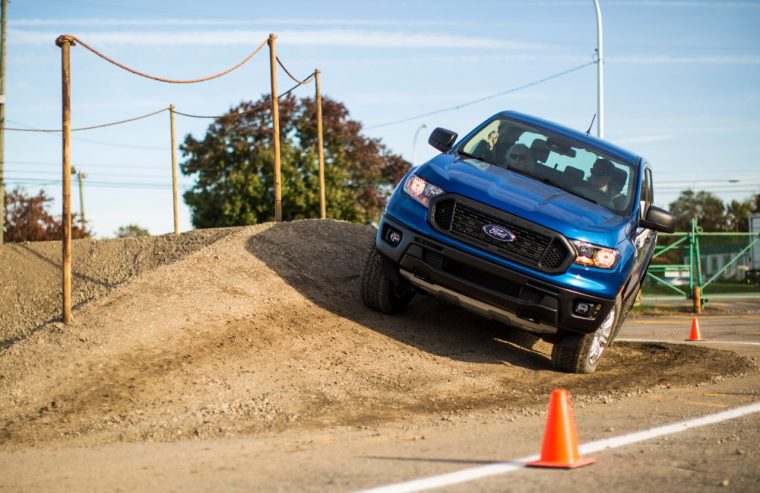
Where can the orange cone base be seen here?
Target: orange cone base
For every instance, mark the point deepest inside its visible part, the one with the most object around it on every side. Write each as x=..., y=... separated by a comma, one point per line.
x=560, y=445
x=582, y=461
x=696, y=334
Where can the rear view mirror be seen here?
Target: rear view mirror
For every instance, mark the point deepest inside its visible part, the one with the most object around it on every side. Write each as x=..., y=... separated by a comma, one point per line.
x=560, y=146
x=442, y=139
x=659, y=220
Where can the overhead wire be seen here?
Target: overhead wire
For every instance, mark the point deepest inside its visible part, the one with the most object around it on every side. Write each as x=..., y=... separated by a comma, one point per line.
x=305, y=81
x=92, y=127
x=255, y=106
x=485, y=98
x=100, y=184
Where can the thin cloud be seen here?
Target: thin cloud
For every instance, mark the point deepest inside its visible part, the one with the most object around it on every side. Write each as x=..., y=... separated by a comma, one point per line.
x=679, y=3
x=327, y=37
x=643, y=139
x=649, y=3
x=223, y=22
x=683, y=60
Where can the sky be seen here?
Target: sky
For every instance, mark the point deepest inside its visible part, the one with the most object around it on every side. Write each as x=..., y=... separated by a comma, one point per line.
x=681, y=83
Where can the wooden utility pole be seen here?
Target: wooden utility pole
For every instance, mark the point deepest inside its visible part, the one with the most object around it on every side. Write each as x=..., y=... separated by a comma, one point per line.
x=275, y=127
x=320, y=149
x=65, y=44
x=174, y=170
x=3, y=26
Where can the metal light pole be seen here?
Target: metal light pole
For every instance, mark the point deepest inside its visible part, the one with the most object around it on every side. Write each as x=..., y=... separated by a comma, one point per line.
x=414, y=142
x=81, y=176
x=599, y=72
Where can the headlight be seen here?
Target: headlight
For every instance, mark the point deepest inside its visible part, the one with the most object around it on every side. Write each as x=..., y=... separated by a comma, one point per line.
x=595, y=256
x=420, y=190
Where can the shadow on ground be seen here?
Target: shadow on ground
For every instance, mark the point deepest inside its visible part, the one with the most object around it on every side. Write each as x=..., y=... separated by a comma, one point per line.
x=327, y=272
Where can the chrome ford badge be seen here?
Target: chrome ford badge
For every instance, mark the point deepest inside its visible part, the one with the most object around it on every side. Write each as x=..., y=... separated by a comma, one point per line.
x=498, y=233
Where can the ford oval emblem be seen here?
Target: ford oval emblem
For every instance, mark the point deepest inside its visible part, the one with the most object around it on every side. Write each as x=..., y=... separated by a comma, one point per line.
x=498, y=233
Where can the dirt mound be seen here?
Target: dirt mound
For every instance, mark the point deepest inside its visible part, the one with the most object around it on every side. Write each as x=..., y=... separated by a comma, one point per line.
x=264, y=330
x=30, y=282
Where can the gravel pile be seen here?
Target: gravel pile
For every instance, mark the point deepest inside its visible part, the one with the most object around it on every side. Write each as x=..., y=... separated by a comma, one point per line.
x=30, y=273
x=264, y=331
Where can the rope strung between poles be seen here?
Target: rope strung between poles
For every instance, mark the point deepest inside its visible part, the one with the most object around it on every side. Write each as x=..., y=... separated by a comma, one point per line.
x=305, y=81
x=75, y=40
x=255, y=107
x=51, y=130
x=236, y=115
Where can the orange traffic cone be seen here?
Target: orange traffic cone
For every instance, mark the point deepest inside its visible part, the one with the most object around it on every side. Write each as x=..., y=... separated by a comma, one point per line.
x=696, y=334
x=560, y=446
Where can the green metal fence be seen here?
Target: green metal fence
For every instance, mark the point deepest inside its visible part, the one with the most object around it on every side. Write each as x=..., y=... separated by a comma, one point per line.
x=699, y=266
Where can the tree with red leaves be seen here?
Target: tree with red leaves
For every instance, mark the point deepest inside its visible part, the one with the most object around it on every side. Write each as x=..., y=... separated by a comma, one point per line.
x=26, y=219
x=234, y=166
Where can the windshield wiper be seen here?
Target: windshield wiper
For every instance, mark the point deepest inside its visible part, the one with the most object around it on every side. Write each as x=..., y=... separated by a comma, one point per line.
x=467, y=154
x=473, y=156
x=552, y=183
x=571, y=192
x=577, y=194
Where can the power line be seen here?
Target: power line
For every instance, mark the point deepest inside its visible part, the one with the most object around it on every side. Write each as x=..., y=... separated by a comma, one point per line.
x=34, y=175
x=91, y=141
x=480, y=100
x=99, y=184
x=124, y=146
x=87, y=165
x=93, y=127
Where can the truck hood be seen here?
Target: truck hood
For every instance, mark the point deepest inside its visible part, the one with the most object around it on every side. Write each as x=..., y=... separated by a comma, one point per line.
x=526, y=197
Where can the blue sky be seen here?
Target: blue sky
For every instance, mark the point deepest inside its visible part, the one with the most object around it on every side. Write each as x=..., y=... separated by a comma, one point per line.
x=682, y=82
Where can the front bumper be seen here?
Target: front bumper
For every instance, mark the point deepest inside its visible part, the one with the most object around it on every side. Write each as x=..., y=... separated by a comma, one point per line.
x=491, y=290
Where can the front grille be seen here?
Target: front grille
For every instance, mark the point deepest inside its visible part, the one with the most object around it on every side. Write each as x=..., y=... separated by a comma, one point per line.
x=532, y=245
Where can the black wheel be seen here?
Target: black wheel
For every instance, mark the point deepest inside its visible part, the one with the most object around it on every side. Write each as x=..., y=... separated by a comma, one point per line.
x=580, y=353
x=378, y=291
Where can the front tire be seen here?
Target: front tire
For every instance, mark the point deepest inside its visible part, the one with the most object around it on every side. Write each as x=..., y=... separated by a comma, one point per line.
x=580, y=353
x=378, y=291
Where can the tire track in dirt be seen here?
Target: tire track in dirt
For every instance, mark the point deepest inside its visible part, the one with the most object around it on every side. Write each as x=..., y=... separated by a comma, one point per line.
x=264, y=330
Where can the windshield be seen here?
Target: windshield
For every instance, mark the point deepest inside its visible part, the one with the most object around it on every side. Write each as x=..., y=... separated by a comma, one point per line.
x=556, y=160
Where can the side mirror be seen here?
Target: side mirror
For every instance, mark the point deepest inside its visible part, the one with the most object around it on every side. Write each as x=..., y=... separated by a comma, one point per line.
x=442, y=139
x=659, y=220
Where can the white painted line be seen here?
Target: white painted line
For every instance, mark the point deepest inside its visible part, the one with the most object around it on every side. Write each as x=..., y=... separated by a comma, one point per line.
x=453, y=477
x=640, y=436
x=474, y=473
x=705, y=341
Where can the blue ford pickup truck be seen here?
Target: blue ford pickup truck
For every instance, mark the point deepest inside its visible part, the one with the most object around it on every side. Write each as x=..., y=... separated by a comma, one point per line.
x=523, y=221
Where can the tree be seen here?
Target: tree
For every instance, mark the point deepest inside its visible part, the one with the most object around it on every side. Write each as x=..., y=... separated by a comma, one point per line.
x=737, y=215
x=234, y=170
x=26, y=219
x=706, y=207
x=131, y=231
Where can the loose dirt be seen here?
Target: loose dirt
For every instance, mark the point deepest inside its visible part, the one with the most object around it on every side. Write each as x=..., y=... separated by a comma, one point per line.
x=30, y=273
x=258, y=330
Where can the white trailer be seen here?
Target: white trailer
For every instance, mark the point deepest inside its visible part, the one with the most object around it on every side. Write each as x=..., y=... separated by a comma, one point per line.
x=754, y=227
